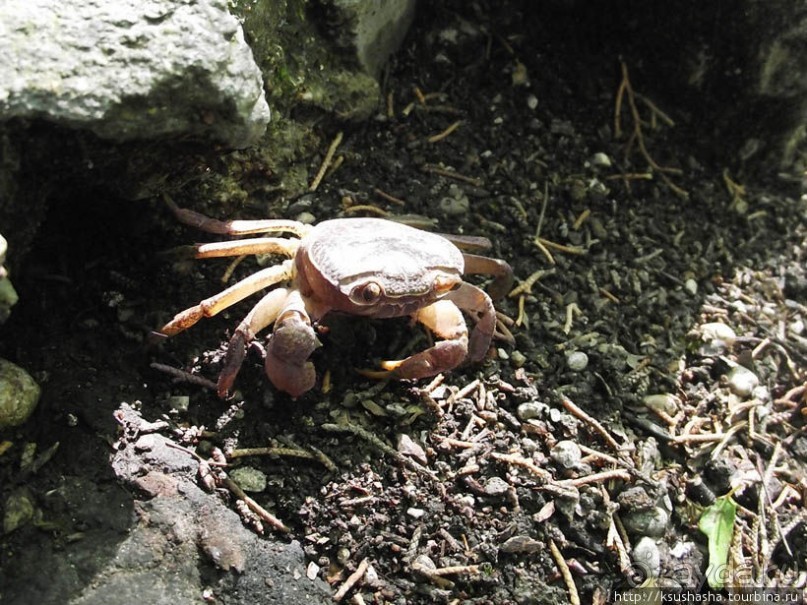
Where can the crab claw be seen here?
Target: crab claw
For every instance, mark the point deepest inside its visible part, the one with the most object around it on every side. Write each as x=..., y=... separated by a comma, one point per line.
x=291, y=344
x=444, y=355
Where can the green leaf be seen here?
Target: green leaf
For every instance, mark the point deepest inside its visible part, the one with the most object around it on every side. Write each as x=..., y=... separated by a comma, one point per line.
x=717, y=522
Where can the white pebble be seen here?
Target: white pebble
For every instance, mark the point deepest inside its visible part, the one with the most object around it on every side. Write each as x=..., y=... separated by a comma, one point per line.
x=307, y=218
x=718, y=331
x=600, y=159
x=530, y=409
x=576, y=361
x=742, y=381
x=415, y=513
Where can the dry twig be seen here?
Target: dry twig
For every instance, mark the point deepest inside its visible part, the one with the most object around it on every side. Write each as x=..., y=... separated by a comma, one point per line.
x=625, y=90
x=351, y=580
x=326, y=162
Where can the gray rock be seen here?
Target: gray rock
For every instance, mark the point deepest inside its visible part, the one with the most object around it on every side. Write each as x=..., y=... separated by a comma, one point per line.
x=372, y=29
x=566, y=454
x=647, y=557
x=19, y=394
x=130, y=70
x=742, y=381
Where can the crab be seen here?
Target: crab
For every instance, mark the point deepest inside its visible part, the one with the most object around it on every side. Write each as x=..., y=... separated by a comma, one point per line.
x=369, y=267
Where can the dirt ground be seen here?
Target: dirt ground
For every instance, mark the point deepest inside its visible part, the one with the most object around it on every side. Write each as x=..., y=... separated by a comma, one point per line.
x=659, y=361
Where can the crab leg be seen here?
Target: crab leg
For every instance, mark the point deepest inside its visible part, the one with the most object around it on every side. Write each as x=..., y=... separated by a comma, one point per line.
x=237, y=227
x=226, y=298
x=261, y=315
x=502, y=273
x=255, y=245
x=468, y=242
x=446, y=321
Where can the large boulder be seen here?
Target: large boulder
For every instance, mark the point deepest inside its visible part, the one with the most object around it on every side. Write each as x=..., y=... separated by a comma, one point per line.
x=130, y=70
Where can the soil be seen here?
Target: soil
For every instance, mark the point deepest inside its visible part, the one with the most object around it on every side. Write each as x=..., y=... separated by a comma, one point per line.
x=616, y=419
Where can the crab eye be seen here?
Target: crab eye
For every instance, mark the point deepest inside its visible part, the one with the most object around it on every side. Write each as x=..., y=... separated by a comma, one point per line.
x=367, y=294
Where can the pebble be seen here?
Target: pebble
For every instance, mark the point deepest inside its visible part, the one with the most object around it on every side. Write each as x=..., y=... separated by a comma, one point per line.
x=576, y=361
x=662, y=402
x=642, y=513
x=532, y=101
x=19, y=509
x=456, y=203
x=718, y=331
x=179, y=403
x=408, y=447
x=249, y=479
x=530, y=409
x=601, y=160
x=649, y=522
x=566, y=454
x=647, y=557
x=691, y=286
x=742, y=381
x=517, y=359
x=312, y=571
x=415, y=513
x=496, y=486
x=306, y=218
x=19, y=394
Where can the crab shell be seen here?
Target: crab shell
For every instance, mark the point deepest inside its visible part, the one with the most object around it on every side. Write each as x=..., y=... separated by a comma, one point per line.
x=376, y=267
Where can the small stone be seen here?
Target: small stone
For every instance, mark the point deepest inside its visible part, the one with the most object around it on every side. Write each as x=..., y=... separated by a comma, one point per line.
x=662, y=402
x=651, y=522
x=456, y=204
x=249, y=479
x=691, y=286
x=306, y=218
x=423, y=563
x=517, y=359
x=312, y=571
x=520, y=75
x=19, y=394
x=179, y=403
x=566, y=454
x=647, y=557
x=742, y=381
x=576, y=361
x=408, y=447
x=530, y=409
x=496, y=486
x=343, y=555
x=718, y=331
x=415, y=513
x=532, y=101
x=601, y=160
x=521, y=544
x=19, y=509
